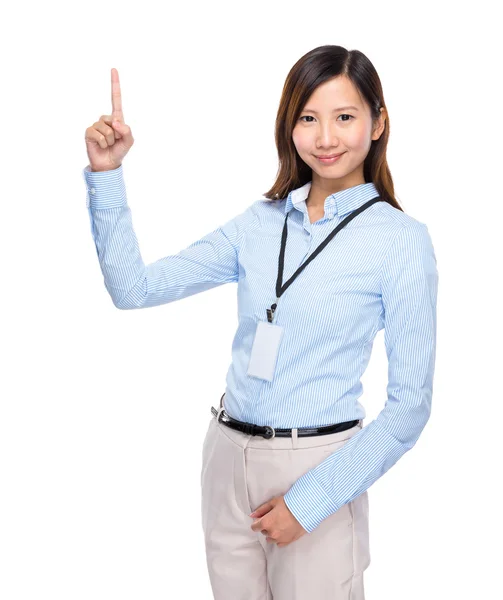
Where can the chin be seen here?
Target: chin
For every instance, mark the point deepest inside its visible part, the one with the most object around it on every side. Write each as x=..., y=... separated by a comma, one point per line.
x=330, y=172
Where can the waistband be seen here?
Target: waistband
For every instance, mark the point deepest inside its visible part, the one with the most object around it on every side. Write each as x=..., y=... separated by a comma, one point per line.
x=268, y=432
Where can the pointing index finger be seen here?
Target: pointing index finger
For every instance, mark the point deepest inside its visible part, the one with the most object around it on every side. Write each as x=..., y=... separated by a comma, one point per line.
x=116, y=97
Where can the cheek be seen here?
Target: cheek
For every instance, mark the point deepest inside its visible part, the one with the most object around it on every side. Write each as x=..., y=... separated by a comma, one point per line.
x=299, y=141
x=357, y=138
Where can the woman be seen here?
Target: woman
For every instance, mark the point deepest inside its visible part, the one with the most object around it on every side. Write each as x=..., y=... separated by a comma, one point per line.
x=322, y=264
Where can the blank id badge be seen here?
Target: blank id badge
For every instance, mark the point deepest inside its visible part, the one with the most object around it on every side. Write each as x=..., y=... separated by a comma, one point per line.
x=265, y=350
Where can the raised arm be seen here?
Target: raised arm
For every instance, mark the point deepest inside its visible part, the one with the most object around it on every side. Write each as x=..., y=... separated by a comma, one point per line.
x=206, y=263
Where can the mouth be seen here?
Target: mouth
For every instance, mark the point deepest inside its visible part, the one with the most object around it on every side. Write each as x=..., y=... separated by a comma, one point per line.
x=328, y=155
x=329, y=158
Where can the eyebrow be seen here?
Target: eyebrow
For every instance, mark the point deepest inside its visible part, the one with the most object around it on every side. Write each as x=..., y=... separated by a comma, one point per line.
x=335, y=109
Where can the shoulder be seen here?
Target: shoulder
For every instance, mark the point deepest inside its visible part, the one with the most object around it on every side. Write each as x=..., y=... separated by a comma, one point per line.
x=400, y=228
x=407, y=243
x=396, y=217
x=265, y=205
x=266, y=211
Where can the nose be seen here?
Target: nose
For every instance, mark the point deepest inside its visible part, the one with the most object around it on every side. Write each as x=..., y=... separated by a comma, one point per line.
x=326, y=137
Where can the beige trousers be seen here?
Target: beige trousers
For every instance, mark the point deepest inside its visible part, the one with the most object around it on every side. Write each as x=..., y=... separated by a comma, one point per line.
x=240, y=472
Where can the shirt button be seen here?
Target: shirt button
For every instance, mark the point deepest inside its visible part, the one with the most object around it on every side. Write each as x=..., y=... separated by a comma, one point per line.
x=93, y=191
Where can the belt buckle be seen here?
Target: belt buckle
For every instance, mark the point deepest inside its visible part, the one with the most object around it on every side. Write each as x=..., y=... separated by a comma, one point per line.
x=218, y=414
x=271, y=431
x=221, y=415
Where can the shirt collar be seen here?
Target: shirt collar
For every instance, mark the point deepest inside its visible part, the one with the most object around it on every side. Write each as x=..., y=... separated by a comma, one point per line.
x=340, y=203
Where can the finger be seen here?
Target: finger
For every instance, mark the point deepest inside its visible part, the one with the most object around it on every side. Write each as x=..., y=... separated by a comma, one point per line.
x=108, y=120
x=92, y=135
x=260, y=527
x=107, y=131
x=261, y=510
x=124, y=132
x=256, y=525
x=116, y=97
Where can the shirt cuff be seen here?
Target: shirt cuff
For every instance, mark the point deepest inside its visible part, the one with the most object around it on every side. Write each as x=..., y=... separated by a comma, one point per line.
x=308, y=502
x=105, y=189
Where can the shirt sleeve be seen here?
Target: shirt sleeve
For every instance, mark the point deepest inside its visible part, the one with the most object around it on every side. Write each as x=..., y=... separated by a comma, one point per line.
x=409, y=283
x=206, y=263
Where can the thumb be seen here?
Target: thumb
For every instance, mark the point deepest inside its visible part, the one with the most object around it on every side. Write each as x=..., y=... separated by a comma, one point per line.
x=261, y=510
x=123, y=131
x=117, y=125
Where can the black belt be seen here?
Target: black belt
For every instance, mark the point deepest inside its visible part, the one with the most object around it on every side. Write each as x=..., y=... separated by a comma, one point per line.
x=269, y=432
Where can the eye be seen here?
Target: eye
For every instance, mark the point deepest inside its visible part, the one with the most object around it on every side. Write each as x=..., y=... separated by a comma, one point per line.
x=311, y=117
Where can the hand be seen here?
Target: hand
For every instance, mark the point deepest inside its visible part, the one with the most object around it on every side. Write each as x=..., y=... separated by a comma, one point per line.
x=277, y=523
x=109, y=139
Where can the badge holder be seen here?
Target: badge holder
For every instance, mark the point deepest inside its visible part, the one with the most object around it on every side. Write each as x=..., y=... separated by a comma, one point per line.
x=265, y=348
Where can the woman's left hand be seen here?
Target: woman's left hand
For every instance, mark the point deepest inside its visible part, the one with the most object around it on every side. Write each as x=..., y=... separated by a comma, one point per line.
x=276, y=522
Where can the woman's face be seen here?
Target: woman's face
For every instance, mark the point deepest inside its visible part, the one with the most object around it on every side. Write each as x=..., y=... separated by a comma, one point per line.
x=336, y=120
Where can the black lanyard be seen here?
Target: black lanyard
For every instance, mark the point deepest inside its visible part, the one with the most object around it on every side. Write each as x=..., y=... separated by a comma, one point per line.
x=279, y=288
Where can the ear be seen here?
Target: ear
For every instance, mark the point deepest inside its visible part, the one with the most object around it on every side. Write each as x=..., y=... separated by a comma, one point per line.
x=379, y=125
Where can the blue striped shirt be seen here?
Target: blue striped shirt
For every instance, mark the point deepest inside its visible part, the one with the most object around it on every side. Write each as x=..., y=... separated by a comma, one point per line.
x=378, y=272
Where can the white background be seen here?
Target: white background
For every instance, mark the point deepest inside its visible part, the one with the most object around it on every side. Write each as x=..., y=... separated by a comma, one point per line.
x=103, y=412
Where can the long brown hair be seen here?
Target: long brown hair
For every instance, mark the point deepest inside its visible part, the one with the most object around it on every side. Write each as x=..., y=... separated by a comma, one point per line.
x=310, y=71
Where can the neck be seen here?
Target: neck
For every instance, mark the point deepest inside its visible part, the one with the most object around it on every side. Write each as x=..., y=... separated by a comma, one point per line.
x=321, y=188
